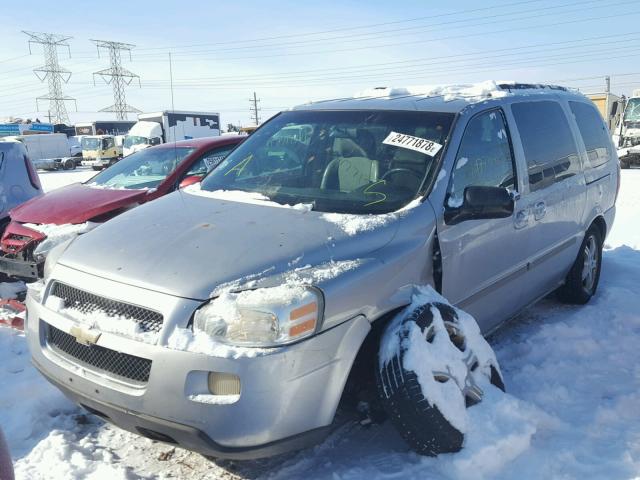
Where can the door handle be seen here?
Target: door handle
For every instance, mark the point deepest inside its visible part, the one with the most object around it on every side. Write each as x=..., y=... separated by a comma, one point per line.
x=539, y=210
x=521, y=219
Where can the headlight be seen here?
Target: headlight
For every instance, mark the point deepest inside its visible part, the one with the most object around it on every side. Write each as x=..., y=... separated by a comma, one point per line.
x=53, y=255
x=262, y=317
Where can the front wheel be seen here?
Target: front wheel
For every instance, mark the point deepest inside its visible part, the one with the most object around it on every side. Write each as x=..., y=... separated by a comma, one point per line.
x=433, y=365
x=97, y=168
x=582, y=281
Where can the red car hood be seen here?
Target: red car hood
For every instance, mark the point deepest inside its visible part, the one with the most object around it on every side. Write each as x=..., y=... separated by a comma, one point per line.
x=75, y=203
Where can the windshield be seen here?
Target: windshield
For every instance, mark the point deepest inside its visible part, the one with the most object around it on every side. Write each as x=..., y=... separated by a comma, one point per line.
x=632, y=112
x=144, y=169
x=131, y=140
x=339, y=161
x=90, y=143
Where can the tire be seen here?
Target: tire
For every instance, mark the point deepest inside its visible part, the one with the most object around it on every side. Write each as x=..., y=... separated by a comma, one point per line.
x=582, y=280
x=624, y=164
x=69, y=164
x=97, y=168
x=418, y=418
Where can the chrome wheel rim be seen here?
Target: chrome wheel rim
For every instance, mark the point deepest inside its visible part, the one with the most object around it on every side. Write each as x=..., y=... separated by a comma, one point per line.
x=471, y=391
x=590, y=264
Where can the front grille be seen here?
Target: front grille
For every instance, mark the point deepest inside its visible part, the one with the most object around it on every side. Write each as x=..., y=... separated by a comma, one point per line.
x=88, y=303
x=95, y=357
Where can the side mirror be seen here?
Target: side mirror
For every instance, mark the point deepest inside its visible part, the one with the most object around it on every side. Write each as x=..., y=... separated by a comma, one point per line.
x=481, y=203
x=154, y=141
x=190, y=180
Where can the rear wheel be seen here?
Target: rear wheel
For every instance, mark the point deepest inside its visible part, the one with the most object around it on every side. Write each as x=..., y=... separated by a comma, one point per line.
x=582, y=281
x=440, y=367
x=97, y=168
x=69, y=164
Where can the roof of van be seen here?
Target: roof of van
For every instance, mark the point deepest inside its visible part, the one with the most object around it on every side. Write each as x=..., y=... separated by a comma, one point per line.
x=436, y=98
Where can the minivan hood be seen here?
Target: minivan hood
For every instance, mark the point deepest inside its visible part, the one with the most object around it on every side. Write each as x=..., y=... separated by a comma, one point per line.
x=187, y=245
x=75, y=203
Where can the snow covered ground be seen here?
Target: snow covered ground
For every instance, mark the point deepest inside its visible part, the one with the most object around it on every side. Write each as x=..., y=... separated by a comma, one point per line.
x=60, y=178
x=572, y=376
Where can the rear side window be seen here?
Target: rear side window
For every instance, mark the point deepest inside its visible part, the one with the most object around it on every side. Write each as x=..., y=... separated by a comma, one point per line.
x=209, y=161
x=593, y=131
x=548, y=143
x=484, y=158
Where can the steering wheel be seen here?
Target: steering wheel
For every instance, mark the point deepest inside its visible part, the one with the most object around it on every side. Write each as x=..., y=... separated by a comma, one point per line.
x=395, y=171
x=289, y=154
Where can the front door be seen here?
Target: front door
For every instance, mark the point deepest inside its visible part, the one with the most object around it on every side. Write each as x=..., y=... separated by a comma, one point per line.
x=484, y=261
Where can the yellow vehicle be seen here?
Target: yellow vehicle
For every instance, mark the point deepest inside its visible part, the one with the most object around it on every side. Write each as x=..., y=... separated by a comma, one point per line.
x=100, y=151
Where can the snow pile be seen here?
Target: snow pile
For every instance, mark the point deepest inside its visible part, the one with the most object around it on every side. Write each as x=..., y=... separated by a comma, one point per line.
x=353, y=224
x=73, y=458
x=198, y=341
x=29, y=407
x=305, y=275
x=440, y=355
x=56, y=234
x=103, y=322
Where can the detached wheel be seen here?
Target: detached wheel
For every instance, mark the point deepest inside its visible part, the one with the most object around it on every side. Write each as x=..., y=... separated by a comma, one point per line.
x=433, y=365
x=582, y=281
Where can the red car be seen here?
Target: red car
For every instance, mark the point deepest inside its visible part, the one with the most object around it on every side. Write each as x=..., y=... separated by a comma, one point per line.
x=43, y=222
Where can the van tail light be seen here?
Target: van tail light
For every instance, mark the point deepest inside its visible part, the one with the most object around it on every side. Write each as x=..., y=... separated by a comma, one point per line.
x=33, y=175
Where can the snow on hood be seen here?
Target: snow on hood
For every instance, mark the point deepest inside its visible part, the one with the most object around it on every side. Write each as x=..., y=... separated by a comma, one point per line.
x=56, y=234
x=212, y=241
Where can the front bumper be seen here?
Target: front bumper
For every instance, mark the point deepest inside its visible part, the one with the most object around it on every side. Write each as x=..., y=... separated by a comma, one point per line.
x=288, y=394
x=21, y=269
x=103, y=162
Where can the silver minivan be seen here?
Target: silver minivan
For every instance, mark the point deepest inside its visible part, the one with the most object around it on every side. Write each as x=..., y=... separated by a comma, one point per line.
x=227, y=317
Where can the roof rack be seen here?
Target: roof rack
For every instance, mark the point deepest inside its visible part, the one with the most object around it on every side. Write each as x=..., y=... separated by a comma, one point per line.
x=530, y=86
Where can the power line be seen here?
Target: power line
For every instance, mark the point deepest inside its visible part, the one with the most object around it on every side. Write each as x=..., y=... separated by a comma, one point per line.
x=53, y=73
x=117, y=76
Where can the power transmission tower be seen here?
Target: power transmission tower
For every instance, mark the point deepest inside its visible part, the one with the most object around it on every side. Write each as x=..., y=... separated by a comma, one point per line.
x=117, y=76
x=254, y=109
x=53, y=73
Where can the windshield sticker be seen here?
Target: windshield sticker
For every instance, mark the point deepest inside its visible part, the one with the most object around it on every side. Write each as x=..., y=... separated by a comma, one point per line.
x=212, y=162
x=417, y=144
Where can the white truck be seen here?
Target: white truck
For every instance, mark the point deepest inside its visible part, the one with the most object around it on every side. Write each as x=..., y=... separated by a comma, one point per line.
x=170, y=126
x=48, y=151
x=626, y=135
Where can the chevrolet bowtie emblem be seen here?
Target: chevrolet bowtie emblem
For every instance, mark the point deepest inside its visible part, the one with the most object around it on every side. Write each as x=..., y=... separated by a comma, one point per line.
x=85, y=337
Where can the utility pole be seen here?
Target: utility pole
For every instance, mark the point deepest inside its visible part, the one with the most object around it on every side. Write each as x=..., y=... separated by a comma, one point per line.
x=254, y=109
x=117, y=76
x=53, y=73
x=173, y=109
x=607, y=84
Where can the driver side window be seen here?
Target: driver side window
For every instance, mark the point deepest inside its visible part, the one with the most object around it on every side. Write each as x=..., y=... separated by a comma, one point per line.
x=485, y=157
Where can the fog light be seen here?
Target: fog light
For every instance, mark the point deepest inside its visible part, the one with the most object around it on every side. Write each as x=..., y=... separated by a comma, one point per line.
x=224, y=383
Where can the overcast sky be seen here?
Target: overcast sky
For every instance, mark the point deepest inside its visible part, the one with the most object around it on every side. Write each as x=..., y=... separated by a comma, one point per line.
x=291, y=52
